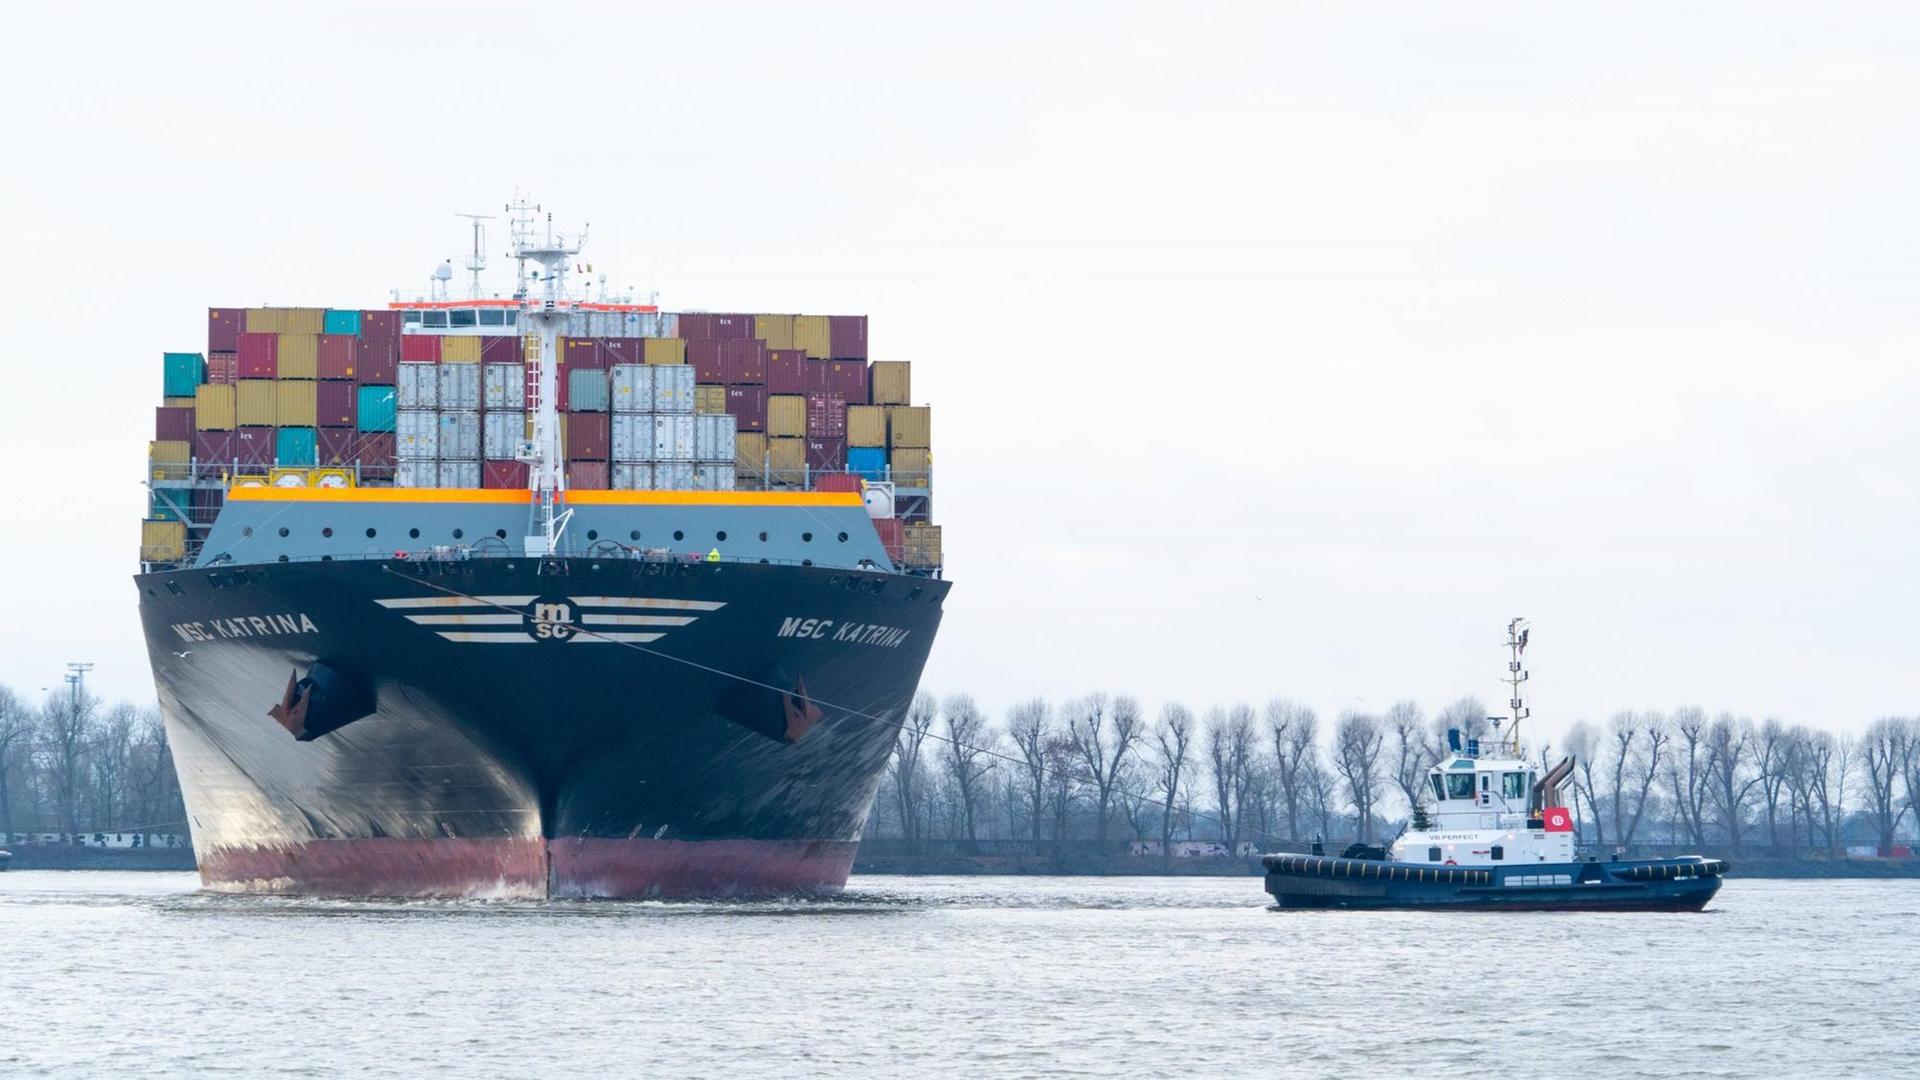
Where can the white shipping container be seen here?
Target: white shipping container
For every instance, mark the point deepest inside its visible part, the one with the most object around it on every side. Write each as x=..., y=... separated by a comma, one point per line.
x=459, y=386
x=629, y=324
x=416, y=436
x=633, y=388
x=713, y=437
x=505, y=387
x=459, y=474
x=632, y=437
x=459, y=434
x=416, y=474
x=632, y=476
x=504, y=430
x=673, y=439
x=673, y=476
x=659, y=324
x=673, y=388
x=711, y=477
x=419, y=386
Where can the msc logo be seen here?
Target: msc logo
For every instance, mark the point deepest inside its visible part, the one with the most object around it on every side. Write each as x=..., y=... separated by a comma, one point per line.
x=551, y=620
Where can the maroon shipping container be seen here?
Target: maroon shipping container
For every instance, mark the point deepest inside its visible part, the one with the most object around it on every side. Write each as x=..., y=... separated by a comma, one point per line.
x=716, y=326
x=376, y=451
x=624, y=350
x=786, y=371
x=212, y=448
x=745, y=361
x=259, y=356
x=337, y=446
x=500, y=349
x=223, y=328
x=826, y=415
x=893, y=536
x=847, y=378
x=837, y=481
x=827, y=454
x=173, y=424
x=748, y=404
x=336, y=402
x=503, y=474
x=587, y=475
x=337, y=355
x=913, y=507
x=253, y=446
x=847, y=336
x=377, y=363
x=704, y=355
x=222, y=368
x=419, y=349
x=204, y=504
x=582, y=353
x=589, y=436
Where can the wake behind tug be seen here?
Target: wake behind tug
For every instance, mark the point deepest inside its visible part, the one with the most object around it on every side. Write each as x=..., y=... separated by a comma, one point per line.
x=1499, y=838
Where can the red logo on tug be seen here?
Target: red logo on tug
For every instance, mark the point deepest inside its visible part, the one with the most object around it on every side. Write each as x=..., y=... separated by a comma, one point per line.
x=1558, y=820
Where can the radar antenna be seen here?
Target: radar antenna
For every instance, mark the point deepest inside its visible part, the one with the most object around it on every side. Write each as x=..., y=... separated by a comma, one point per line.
x=477, y=261
x=541, y=321
x=1517, y=631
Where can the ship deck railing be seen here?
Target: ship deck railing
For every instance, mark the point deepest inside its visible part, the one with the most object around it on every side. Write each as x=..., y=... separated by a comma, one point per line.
x=495, y=549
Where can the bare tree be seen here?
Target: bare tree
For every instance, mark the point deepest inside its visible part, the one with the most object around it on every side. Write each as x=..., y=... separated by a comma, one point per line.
x=1172, y=738
x=1322, y=792
x=1030, y=724
x=1830, y=762
x=1468, y=716
x=1639, y=745
x=66, y=721
x=1358, y=740
x=1103, y=734
x=1687, y=774
x=1731, y=779
x=1773, y=750
x=1413, y=753
x=1296, y=748
x=1883, y=758
x=16, y=731
x=1584, y=745
x=1061, y=792
x=907, y=772
x=967, y=759
x=1229, y=757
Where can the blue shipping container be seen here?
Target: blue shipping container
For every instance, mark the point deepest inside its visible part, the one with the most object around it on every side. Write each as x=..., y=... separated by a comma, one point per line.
x=376, y=408
x=296, y=448
x=587, y=390
x=869, y=461
x=184, y=371
x=164, y=511
x=341, y=322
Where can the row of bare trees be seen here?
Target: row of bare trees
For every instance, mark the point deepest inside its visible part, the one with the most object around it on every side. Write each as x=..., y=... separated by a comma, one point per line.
x=1097, y=768
x=77, y=766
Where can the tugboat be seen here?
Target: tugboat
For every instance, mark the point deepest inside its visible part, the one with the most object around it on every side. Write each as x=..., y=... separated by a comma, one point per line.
x=1499, y=838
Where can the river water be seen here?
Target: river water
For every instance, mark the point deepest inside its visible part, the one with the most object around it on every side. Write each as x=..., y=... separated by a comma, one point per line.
x=112, y=975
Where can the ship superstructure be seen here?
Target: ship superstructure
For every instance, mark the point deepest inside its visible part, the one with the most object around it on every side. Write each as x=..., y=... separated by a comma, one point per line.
x=535, y=595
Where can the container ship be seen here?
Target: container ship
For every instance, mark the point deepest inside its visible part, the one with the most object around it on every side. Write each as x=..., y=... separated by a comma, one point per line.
x=535, y=595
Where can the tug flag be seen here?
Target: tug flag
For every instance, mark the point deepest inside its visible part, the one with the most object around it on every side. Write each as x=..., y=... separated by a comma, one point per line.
x=1558, y=820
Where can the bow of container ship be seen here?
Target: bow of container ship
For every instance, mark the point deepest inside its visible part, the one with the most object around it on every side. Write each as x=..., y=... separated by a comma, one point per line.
x=393, y=661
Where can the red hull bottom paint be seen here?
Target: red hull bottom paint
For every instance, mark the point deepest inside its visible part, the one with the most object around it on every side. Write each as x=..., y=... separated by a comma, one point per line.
x=532, y=868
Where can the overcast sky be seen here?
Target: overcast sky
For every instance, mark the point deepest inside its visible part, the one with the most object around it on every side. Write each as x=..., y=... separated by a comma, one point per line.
x=1275, y=349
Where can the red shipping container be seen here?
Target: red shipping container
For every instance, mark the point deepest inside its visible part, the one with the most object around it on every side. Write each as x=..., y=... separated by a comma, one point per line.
x=589, y=436
x=705, y=357
x=587, y=475
x=581, y=353
x=500, y=349
x=893, y=536
x=337, y=355
x=786, y=371
x=847, y=336
x=716, y=326
x=829, y=455
x=259, y=356
x=624, y=350
x=223, y=328
x=826, y=415
x=503, y=474
x=745, y=361
x=419, y=349
x=337, y=446
x=836, y=481
x=253, y=446
x=222, y=368
x=213, y=448
x=375, y=450
x=748, y=404
x=337, y=402
x=174, y=424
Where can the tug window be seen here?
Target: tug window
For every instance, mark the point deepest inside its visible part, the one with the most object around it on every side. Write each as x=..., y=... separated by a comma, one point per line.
x=1499, y=853
x=1460, y=785
x=1513, y=785
x=1486, y=781
x=1433, y=854
x=1439, y=787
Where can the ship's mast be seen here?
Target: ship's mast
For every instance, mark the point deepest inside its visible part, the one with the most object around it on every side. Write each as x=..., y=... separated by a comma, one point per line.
x=1517, y=631
x=477, y=261
x=542, y=318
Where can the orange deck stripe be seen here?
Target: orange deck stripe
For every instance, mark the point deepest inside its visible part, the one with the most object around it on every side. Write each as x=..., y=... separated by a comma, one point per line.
x=507, y=496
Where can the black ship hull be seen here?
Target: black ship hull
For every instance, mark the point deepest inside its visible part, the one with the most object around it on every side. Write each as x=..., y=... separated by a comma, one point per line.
x=569, y=727
x=1317, y=881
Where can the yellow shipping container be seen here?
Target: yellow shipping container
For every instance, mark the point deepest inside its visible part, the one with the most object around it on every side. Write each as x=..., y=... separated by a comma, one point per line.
x=264, y=320
x=163, y=541
x=786, y=460
x=666, y=350
x=213, y=407
x=299, y=356
x=910, y=426
x=921, y=545
x=296, y=405
x=304, y=320
x=178, y=402
x=810, y=333
x=775, y=330
x=787, y=415
x=170, y=459
x=866, y=425
x=457, y=350
x=257, y=401
x=750, y=452
x=892, y=382
x=709, y=399
x=912, y=467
